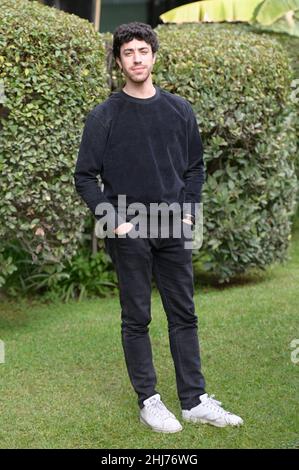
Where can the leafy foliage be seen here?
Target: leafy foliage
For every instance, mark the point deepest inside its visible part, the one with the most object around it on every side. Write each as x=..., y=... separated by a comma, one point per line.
x=85, y=274
x=53, y=71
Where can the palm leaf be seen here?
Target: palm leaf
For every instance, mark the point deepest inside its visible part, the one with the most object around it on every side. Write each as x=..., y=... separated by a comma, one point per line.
x=271, y=10
x=213, y=10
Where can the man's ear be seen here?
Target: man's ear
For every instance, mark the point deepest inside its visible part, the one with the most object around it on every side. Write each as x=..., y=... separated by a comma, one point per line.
x=154, y=57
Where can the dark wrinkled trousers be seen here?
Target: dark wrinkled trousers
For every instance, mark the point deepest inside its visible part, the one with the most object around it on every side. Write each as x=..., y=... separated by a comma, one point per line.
x=135, y=261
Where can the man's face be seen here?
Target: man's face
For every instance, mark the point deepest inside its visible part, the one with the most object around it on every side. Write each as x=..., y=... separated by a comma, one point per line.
x=136, y=60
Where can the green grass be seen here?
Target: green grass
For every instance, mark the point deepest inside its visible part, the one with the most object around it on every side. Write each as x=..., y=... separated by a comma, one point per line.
x=64, y=383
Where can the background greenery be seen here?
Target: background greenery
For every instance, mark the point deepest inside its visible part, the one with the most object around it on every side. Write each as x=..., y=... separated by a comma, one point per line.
x=52, y=66
x=55, y=68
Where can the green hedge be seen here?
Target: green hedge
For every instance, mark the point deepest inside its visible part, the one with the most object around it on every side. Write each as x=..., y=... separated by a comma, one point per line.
x=291, y=46
x=239, y=86
x=53, y=70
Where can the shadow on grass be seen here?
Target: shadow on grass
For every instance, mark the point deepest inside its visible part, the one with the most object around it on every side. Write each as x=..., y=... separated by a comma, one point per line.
x=254, y=276
x=12, y=314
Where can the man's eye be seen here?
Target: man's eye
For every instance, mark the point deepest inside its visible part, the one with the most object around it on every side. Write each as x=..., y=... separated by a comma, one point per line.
x=130, y=53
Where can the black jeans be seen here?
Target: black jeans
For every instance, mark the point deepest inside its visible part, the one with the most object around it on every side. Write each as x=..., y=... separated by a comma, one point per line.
x=135, y=261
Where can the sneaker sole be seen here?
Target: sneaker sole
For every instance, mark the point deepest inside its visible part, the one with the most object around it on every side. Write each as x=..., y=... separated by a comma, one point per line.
x=157, y=429
x=203, y=421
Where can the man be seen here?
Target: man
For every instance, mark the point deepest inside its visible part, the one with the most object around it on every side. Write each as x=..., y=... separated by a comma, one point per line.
x=144, y=143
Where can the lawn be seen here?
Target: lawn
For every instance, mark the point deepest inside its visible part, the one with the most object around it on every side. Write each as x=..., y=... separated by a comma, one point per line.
x=64, y=382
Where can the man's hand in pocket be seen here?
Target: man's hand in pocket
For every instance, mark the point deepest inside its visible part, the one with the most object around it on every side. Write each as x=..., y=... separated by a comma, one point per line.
x=188, y=219
x=122, y=229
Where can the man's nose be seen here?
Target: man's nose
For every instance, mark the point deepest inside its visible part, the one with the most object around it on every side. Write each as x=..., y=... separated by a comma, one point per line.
x=137, y=58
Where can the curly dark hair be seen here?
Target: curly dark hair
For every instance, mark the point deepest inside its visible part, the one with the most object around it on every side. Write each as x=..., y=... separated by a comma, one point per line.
x=135, y=29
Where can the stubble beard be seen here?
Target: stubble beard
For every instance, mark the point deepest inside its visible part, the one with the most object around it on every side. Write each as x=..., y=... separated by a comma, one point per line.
x=134, y=78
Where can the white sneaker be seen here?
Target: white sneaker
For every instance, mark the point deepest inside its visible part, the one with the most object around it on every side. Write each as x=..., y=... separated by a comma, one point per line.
x=155, y=415
x=209, y=411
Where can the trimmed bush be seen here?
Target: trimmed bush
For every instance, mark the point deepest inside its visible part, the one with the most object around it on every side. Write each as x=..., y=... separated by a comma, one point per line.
x=52, y=71
x=238, y=83
x=291, y=46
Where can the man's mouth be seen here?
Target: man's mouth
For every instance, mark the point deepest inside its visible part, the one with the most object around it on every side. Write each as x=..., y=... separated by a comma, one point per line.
x=138, y=68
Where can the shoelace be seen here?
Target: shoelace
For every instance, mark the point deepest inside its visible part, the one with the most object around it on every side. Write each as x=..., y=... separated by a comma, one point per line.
x=159, y=409
x=215, y=405
x=215, y=401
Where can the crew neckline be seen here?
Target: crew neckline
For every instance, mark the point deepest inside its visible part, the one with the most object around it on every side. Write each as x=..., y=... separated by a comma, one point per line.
x=134, y=99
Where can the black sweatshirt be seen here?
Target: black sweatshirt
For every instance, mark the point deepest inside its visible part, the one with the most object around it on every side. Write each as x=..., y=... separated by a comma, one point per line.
x=148, y=149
